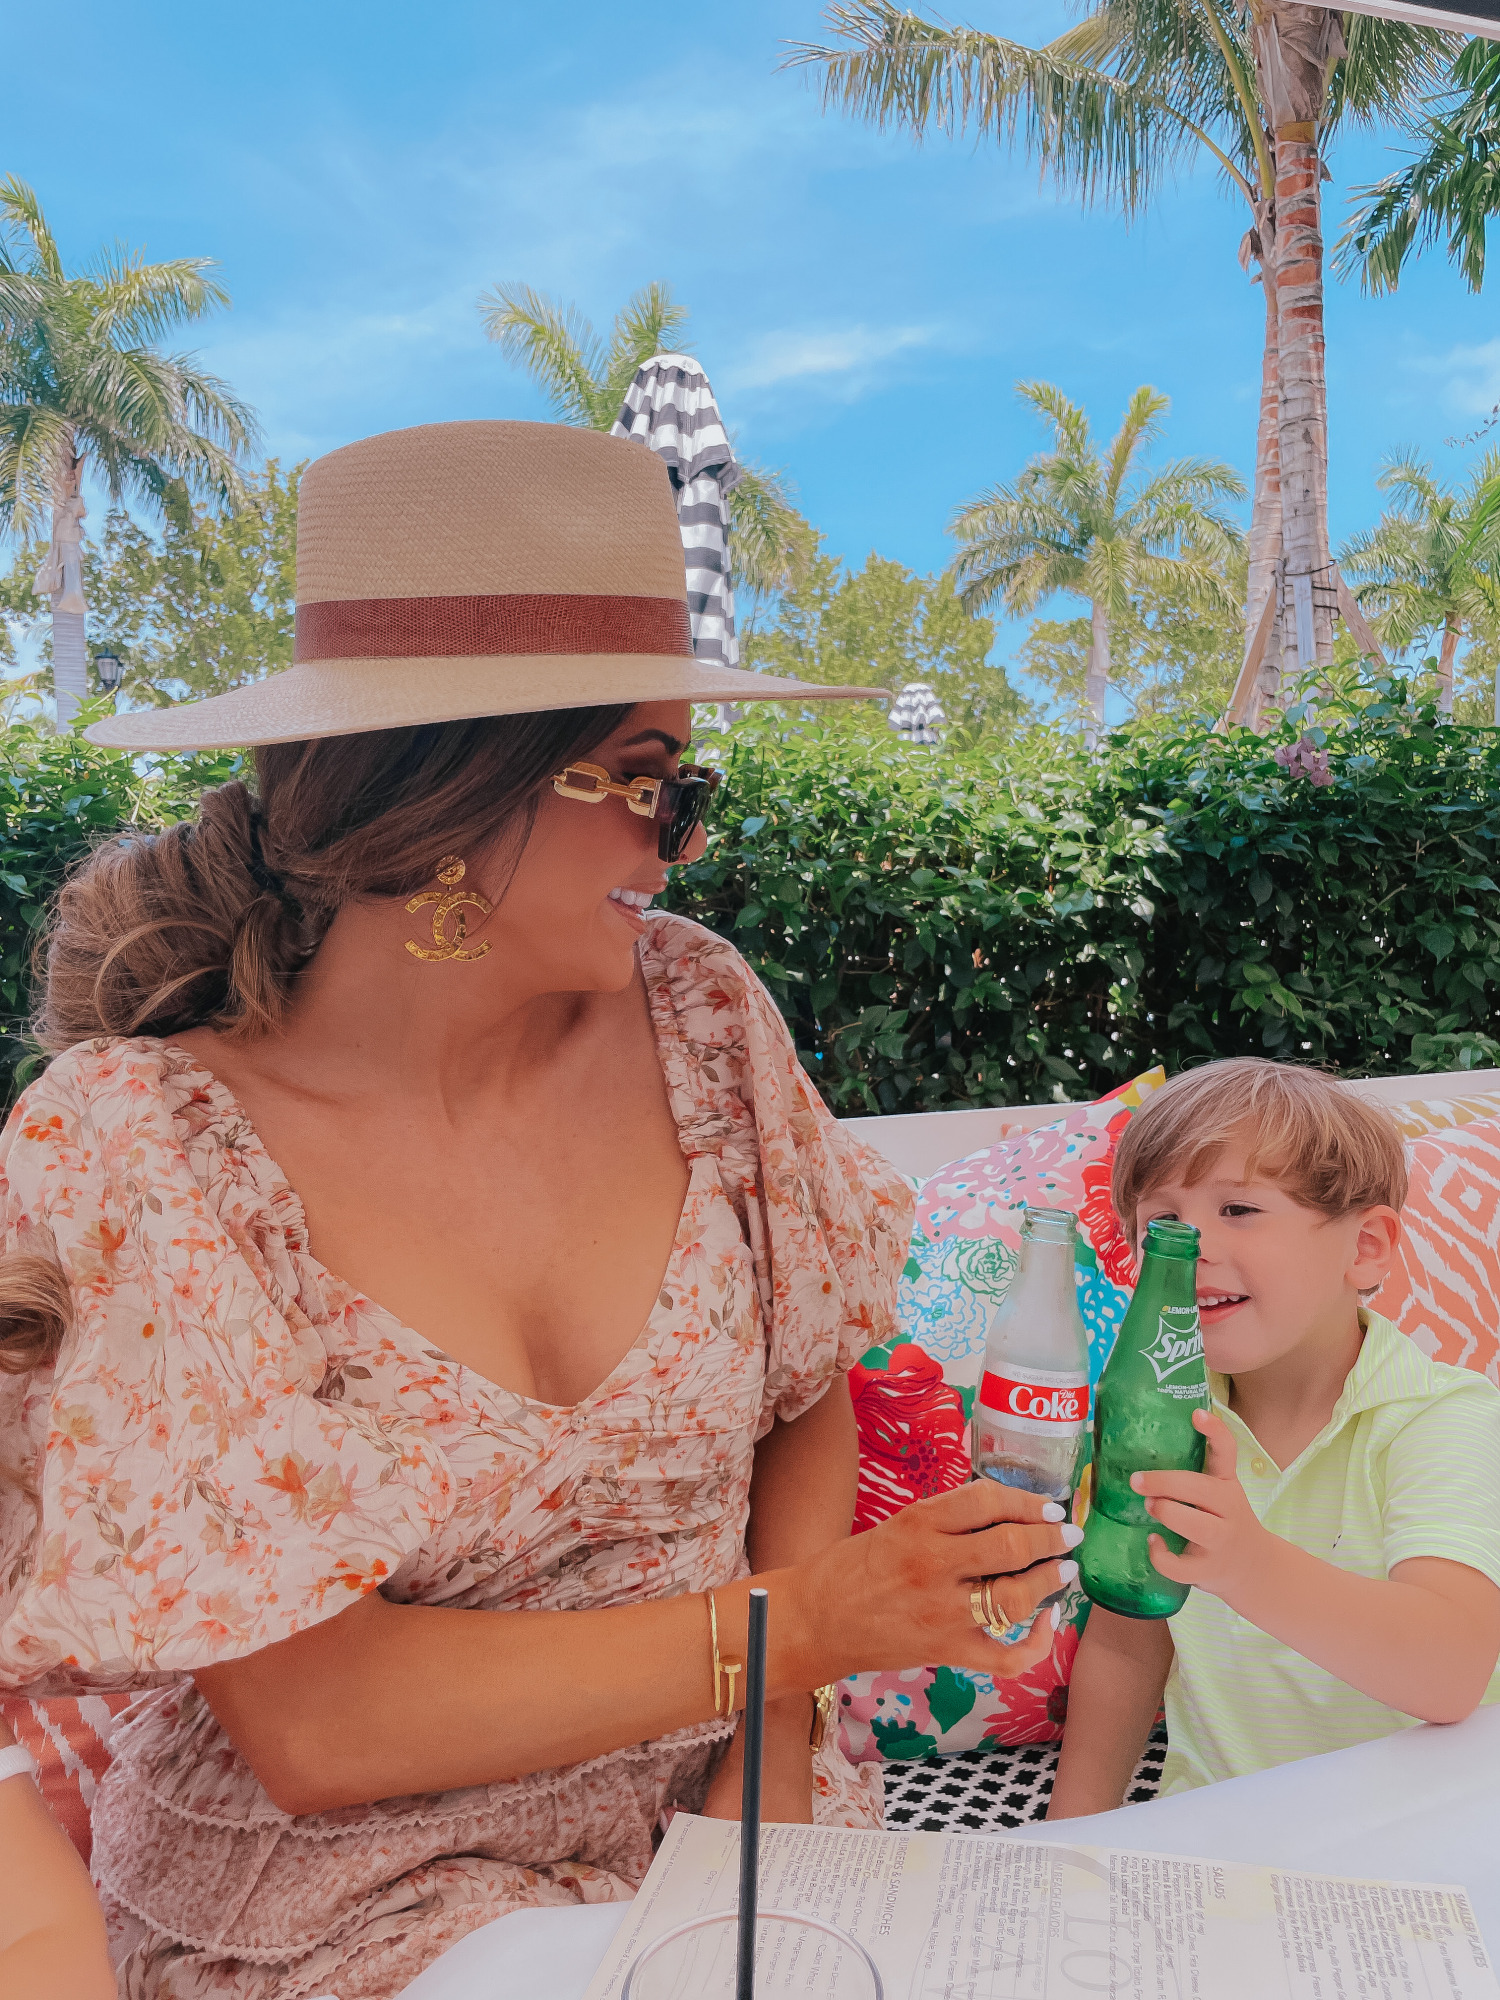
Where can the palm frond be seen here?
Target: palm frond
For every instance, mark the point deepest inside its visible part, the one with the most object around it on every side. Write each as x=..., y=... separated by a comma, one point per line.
x=1390, y=66
x=32, y=441
x=1141, y=423
x=1069, y=420
x=136, y=303
x=1448, y=190
x=1020, y=582
x=1174, y=49
x=557, y=347
x=651, y=322
x=770, y=543
x=22, y=297
x=1100, y=134
x=21, y=216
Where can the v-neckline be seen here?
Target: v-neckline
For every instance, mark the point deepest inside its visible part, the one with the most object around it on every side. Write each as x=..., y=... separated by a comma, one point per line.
x=293, y=1211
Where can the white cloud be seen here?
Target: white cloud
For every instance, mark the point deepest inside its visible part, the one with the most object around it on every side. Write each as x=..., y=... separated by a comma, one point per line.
x=848, y=359
x=1472, y=376
x=390, y=244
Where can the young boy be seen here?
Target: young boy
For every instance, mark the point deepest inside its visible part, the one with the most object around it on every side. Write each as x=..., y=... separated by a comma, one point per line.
x=1344, y=1538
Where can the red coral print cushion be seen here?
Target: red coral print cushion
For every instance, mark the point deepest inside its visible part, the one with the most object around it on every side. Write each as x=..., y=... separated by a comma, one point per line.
x=913, y=1431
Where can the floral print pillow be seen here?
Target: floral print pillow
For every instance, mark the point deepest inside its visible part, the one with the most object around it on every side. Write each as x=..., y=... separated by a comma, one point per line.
x=914, y=1397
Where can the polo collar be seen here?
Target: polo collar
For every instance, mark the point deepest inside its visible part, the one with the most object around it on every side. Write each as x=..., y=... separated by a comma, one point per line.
x=1387, y=1369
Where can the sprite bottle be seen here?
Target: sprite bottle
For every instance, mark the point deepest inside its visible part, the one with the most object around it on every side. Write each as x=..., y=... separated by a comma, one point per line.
x=1143, y=1422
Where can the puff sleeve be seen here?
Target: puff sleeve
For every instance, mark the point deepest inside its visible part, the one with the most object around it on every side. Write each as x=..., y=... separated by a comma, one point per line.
x=184, y=1496
x=827, y=1219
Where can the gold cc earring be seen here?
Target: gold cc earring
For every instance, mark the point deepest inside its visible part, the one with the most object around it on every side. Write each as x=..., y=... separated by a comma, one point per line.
x=450, y=901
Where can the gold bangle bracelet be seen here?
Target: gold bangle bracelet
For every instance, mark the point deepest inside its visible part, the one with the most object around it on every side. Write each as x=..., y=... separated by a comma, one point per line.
x=725, y=1670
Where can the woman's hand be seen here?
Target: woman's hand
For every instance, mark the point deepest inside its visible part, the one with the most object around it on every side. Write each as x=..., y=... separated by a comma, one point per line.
x=898, y=1596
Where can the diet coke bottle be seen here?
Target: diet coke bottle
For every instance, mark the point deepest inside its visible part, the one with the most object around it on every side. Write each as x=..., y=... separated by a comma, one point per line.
x=1031, y=1422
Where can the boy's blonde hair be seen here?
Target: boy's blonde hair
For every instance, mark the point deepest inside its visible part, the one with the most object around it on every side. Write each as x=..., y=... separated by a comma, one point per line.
x=1329, y=1148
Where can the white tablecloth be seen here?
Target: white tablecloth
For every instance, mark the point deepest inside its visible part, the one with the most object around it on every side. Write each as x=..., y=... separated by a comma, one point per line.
x=1420, y=1806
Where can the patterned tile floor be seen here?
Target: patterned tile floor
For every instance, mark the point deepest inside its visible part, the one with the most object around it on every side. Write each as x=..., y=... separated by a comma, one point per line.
x=981, y=1789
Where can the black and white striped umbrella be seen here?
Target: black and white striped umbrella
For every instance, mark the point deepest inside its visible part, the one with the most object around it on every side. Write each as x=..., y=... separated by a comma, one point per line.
x=670, y=408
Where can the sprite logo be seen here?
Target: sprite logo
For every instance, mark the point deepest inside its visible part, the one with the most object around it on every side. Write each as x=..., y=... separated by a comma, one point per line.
x=1178, y=1343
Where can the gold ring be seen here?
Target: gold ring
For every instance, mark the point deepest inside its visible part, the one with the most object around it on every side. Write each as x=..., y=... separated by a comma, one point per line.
x=982, y=1611
x=1000, y=1625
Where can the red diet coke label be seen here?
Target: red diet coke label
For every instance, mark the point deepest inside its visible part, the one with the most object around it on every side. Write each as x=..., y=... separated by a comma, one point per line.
x=1048, y=1400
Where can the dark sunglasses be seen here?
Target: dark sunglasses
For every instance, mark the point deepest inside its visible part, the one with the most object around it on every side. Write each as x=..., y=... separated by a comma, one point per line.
x=676, y=804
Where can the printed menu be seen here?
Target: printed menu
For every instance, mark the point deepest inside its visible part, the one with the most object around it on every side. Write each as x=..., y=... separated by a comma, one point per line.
x=969, y=1917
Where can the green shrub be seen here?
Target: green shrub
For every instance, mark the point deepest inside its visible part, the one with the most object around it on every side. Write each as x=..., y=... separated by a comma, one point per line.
x=1022, y=922
x=945, y=930
x=58, y=797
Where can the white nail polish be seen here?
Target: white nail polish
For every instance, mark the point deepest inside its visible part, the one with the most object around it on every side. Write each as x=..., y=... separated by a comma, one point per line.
x=1071, y=1536
x=1056, y=1616
x=1052, y=1512
x=1067, y=1570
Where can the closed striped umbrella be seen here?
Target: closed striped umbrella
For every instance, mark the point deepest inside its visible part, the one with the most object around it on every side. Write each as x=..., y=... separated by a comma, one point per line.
x=670, y=408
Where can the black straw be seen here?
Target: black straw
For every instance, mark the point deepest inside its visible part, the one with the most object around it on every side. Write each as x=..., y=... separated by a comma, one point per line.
x=755, y=1729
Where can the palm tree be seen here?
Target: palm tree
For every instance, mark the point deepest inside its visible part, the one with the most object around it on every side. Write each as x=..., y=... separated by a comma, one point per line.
x=1430, y=566
x=1451, y=187
x=585, y=377
x=1114, y=106
x=84, y=386
x=1079, y=521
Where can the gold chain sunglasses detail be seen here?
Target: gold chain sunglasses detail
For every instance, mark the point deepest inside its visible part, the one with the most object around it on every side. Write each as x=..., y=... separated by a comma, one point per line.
x=676, y=804
x=450, y=901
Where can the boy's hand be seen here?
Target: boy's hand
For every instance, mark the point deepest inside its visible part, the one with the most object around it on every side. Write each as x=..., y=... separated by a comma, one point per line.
x=1226, y=1543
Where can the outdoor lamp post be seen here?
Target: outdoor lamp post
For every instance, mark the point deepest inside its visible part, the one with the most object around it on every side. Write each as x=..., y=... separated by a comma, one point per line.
x=111, y=671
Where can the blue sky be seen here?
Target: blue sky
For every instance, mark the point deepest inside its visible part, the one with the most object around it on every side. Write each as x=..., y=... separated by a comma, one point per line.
x=863, y=306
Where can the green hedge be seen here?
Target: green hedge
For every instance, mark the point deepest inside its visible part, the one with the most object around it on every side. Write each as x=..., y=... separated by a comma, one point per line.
x=58, y=796
x=1048, y=923
x=944, y=930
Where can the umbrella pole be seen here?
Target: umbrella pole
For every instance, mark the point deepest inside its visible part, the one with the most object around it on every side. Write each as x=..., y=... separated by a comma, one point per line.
x=755, y=1722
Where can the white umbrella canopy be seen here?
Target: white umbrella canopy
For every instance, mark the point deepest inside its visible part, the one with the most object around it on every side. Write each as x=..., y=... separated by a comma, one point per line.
x=670, y=408
x=1464, y=17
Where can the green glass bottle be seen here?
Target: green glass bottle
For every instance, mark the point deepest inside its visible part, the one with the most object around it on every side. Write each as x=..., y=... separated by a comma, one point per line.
x=1143, y=1422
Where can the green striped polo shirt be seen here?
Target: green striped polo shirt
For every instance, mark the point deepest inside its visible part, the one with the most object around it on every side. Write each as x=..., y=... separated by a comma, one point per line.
x=1407, y=1465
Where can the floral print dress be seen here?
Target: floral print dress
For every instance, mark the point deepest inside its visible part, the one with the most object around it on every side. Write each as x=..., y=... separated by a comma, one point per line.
x=234, y=1444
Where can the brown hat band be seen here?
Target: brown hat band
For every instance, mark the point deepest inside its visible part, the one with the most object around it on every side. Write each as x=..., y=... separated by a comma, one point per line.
x=404, y=628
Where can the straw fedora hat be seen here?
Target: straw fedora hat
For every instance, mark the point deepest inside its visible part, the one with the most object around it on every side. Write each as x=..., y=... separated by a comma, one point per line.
x=472, y=569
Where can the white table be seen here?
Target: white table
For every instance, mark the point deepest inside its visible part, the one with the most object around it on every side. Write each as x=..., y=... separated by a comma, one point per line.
x=1421, y=1806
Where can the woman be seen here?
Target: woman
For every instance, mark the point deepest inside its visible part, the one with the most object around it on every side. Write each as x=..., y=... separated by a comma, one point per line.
x=443, y=1596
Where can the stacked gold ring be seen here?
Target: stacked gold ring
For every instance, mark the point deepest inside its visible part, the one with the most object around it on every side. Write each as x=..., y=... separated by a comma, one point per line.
x=985, y=1615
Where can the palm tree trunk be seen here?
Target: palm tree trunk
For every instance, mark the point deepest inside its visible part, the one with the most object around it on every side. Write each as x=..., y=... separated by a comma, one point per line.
x=1295, y=49
x=1096, y=683
x=1264, y=540
x=70, y=663
x=61, y=579
x=1445, y=667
